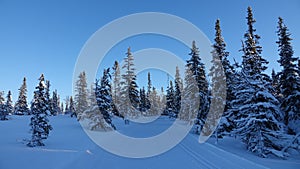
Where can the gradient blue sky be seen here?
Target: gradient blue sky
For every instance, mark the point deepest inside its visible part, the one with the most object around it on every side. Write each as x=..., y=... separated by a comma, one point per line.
x=46, y=36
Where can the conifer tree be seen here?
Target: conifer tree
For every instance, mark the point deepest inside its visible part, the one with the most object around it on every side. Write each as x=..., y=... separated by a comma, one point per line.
x=289, y=80
x=257, y=111
x=21, y=106
x=104, y=99
x=177, y=92
x=54, y=104
x=72, y=107
x=67, y=102
x=129, y=92
x=190, y=98
x=3, y=110
x=198, y=69
x=116, y=89
x=9, y=103
x=40, y=126
x=220, y=56
x=81, y=96
x=170, y=100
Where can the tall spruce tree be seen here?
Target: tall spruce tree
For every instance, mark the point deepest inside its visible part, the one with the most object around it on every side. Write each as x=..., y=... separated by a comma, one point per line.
x=129, y=92
x=81, y=96
x=289, y=80
x=220, y=55
x=257, y=111
x=198, y=70
x=40, y=126
x=21, y=106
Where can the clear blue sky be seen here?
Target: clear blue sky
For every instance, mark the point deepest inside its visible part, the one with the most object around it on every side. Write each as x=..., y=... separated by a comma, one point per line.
x=46, y=36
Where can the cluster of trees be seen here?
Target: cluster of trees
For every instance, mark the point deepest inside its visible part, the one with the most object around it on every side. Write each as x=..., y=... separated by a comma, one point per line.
x=116, y=94
x=21, y=106
x=262, y=111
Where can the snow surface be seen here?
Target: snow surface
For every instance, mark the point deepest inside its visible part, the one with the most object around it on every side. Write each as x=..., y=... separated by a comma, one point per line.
x=69, y=147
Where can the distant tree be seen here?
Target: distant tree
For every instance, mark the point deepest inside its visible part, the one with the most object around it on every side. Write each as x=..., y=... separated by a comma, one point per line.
x=21, y=106
x=155, y=100
x=170, y=100
x=72, y=107
x=81, y=96
x=289, y=80
x=149, y=90
x=54, y=103
x=3, y=110
x=116, y=89
x=67, y=102
x=143, y=102
x=177, y=93
x=9, y=103
x=163, y=101
x=198, y=70
x=40, y=126
x=190, y=98
x=62, y=108
x=47, y=94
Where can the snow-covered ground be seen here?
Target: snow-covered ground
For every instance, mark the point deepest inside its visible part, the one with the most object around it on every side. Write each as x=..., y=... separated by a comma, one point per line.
x=69, y=147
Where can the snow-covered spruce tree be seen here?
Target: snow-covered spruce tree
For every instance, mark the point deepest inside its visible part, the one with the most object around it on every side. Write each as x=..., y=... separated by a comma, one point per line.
x=54, y=104
x=218, y=98
x=3, y=110
x=170, y=100
x=72, y=107
x=67, y=102
x=198, y=69
x=40, y=126
x=257, y=109
x=9, y=103
x=289, y=80
x=81, y=96
x=116, y=89
x=21, y=106
x=190, y=98
x=177, y=92
x=104, y=102
x=149, y=90
x=62, y=108
x=155, y=100
x=143, y=102
x=220, y=54
x=129, y=92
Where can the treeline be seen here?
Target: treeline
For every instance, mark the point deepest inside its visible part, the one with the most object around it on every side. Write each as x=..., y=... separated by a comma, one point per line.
x=262, y=111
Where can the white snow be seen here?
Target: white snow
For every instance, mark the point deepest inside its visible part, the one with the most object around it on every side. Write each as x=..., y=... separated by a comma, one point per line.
x=69, y=147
